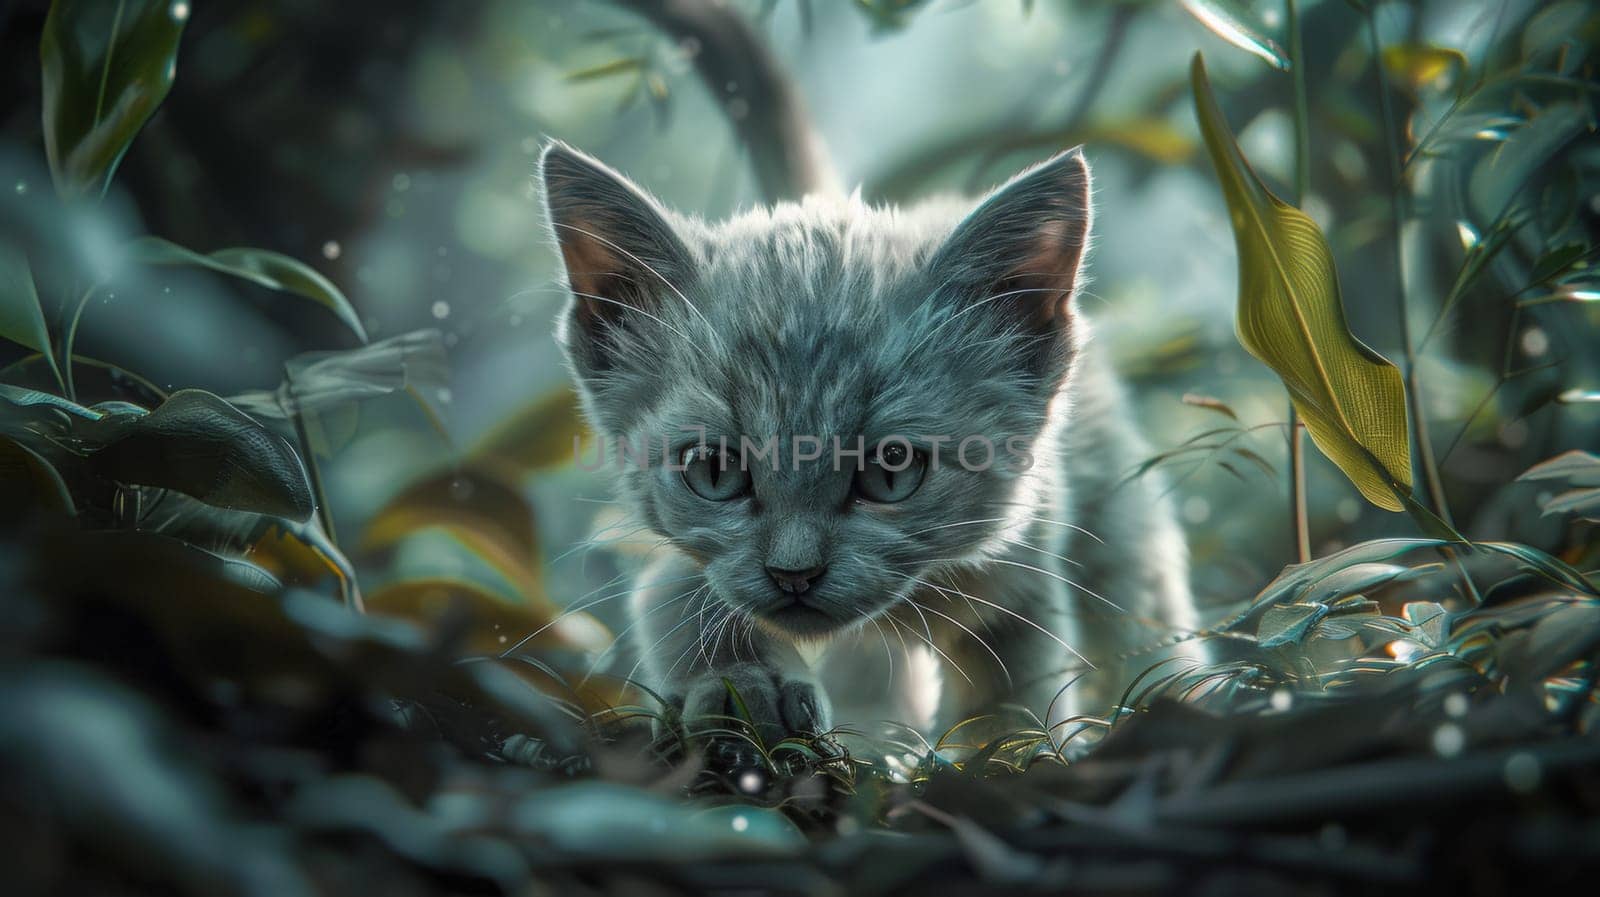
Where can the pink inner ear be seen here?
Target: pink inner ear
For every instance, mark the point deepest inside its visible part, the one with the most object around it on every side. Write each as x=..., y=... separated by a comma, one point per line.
x=593, y=268
x=1052, y=266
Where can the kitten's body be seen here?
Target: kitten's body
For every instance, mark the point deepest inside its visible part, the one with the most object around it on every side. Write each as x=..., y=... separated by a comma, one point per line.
x=833, y=319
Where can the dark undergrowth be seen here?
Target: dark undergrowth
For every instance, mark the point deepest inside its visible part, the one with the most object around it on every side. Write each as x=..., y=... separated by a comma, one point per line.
x=172, y=727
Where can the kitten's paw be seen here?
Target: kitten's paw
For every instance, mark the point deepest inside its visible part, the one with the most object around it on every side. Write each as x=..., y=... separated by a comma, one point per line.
x=779, y=706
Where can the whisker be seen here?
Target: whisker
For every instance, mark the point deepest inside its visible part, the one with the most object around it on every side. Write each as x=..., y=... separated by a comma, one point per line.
x=947, y=658
x=1031, y=547
x=1056, y=576
x=616, y=640
x=976, y=637
x=1051, y=635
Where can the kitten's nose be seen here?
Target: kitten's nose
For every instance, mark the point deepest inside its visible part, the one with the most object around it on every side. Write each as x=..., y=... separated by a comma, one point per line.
x=796, y=581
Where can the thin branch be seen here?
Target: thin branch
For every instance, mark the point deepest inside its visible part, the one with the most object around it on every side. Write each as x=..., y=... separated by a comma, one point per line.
x=1302, y=186
x=745, y=79
x=1397, y=206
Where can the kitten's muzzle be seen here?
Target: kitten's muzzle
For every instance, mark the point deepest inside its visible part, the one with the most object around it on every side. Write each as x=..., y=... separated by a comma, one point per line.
x=796, y=582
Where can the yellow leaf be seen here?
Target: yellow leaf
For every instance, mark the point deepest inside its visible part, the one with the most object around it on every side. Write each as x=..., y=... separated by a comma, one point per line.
x=1420, y=65
x=1291, y=317
x=536, y=437
x=488, y=515
x=1152, y=138
x=490, y=623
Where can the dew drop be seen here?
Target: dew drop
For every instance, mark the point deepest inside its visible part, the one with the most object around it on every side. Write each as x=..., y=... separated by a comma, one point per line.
x=1282, y=700
x=1522, y=772
x=441, y=310
x=750, y=782
x=1448, y=740
x=1535, y=342
x=332, y=250
x=180, y=11
x=740, y=823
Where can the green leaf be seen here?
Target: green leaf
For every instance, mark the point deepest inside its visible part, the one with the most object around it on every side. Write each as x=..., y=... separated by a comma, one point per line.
x=1291, y=317
x=29, y=485
x=21, y=316
x=1237, y=24
x=1582, y=468
x=607, y=69
x=1557, y=261
x=198, y=444
x=1499, y=179
x=106, y=65
x=272, y=270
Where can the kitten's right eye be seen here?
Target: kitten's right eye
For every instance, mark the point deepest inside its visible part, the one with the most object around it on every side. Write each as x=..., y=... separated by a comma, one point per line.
x=713, y=474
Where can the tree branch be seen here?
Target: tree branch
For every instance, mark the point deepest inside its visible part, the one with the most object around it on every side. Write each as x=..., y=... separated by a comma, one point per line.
x=745, y=79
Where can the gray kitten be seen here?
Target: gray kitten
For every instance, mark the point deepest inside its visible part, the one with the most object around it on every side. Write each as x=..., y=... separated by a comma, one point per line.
x=810, y=584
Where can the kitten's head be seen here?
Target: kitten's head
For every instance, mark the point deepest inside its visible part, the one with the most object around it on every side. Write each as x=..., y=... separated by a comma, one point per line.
x=815, y=321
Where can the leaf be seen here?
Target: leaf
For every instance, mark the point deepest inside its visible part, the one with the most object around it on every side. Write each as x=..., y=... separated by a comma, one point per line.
x=1291, y=317
x=1209, y=403
x=1582, y=468
x=1498, y=180
x=1556, y=262
x=600, y=820
x=323, y=382
x=1421, y=65
x=262, y=267
x=1576, y=501
x=1569, y=24
x=198, y=444
x=1288, y=624
x=21, y=316
x=607, y=69
x=106, y=66
x=1237, y=24
x=490, y=622
x=29, y=485
x=1154, y=138
x=481, y=509
x=540, y=435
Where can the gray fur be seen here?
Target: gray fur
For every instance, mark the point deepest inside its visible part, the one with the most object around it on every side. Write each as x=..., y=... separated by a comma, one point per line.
x=830, y=317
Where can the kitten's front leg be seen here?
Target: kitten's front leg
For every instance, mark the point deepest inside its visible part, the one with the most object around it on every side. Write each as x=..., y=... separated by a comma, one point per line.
x=692, y=647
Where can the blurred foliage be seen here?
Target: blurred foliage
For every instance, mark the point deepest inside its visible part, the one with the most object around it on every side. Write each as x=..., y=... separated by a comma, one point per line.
x=202, y=487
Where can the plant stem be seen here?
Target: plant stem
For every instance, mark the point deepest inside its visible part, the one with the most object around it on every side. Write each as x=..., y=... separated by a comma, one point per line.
x=1423, y=456
x=1302, y=185
x=352, y=598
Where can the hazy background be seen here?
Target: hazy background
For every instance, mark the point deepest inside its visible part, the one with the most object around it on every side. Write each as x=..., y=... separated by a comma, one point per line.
x=393, y=146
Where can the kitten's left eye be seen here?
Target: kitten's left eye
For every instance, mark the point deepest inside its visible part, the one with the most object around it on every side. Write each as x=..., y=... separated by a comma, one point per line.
x=713, y=474
x=892, y=475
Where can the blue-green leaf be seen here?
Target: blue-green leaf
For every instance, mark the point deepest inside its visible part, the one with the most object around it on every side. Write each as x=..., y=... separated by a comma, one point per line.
x=106, y=65
x=21, y=317
x=1235, y=23
x=272, y=270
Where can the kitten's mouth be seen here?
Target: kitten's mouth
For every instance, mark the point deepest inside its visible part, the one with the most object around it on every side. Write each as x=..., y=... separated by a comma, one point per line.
x=797, y=618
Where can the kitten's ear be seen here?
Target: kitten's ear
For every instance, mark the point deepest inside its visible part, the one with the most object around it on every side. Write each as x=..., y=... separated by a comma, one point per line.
x=620, y=254
x=1020, y=250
